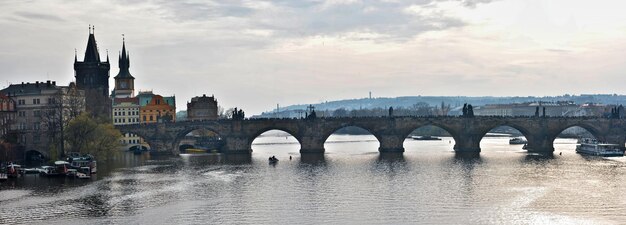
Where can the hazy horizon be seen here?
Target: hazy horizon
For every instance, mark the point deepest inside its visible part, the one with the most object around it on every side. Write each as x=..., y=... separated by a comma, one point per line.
x=256, y=54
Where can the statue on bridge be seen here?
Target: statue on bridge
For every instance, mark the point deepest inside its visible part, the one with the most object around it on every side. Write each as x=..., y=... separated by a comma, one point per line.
x=311, y=114
x=468, y=110
x=537, y=111
x=238, y=114
x=390, y=111
x=616, y=112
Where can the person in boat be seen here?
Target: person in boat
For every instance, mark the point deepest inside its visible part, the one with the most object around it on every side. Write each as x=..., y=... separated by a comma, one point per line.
x=289, y=157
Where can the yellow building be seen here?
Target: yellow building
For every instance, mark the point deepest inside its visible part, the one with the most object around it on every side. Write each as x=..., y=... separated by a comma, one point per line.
x=158, y=109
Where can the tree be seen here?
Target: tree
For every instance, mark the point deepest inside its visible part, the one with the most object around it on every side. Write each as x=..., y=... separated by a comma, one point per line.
x=87, y=135
x=65, y=105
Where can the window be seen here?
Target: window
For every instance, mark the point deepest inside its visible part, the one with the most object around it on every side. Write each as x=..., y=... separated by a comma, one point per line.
x=36, y=126
x=151, y=118
x=37, y=113
x=21, y=102
x=21, y=113
x=144, y=118
x=35, y=101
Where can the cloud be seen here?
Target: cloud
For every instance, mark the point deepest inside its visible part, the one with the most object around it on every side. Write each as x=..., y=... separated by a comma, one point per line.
x=39, y=16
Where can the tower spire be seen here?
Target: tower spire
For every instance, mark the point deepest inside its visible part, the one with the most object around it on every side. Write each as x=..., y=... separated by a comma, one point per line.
x=75, y=56
x=124, y=62
x=91, y=53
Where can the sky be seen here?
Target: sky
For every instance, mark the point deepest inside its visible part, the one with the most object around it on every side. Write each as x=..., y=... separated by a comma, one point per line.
x=254, y=54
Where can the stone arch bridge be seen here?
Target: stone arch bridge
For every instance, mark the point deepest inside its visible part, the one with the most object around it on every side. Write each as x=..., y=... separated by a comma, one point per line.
x=390, y=131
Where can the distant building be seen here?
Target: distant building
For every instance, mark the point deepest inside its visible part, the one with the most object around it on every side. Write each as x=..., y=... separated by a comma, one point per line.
x=202, y=108
x=7, y=114
x=42, y=110
x=156, y=108
x=564, y=108
x=92, y=76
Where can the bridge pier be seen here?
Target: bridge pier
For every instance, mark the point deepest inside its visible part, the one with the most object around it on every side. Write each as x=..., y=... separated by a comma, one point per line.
x=237, y=145
x=616, y=138
x=163, y=146
x=467, y=144
x=312, y=144
x=540, y=144
x=391, y=143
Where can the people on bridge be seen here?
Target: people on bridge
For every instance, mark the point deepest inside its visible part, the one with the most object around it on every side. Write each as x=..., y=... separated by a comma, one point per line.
x=537, y=111
x=465, y=109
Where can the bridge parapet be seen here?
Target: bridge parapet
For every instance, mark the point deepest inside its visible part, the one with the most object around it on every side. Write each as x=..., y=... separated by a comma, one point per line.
x=390, y=131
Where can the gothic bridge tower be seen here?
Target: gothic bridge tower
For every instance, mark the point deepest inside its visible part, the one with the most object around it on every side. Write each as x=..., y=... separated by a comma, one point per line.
x=92, y=75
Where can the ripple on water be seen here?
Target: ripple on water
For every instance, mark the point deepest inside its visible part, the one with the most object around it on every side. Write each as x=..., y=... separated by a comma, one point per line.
x=7, y=195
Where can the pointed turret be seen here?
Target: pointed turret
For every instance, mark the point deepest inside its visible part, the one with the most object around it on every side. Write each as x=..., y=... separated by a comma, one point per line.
x=91, y=54
x=124, y=63
x=124, y=82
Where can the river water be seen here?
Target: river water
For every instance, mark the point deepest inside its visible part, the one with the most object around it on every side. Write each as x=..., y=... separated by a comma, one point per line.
x=351, y=184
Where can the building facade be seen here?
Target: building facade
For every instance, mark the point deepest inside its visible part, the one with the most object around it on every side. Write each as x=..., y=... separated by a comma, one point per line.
x=566, y=108
x=125, y=108
x=202, y=108
x=42, y=110
x=7, y=114
x=92, y=76
x=158, y=109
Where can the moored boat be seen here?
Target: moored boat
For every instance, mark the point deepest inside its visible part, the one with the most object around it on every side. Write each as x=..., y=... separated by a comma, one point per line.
x=13, y=170
x=596, y=148
x=426, y=138
x=517, y=141
x=78, y=161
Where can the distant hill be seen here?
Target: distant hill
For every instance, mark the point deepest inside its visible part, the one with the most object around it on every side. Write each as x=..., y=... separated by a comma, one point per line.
x=454, y=101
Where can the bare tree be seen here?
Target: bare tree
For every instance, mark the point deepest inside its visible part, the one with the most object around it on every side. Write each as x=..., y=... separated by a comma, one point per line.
x=63, y=106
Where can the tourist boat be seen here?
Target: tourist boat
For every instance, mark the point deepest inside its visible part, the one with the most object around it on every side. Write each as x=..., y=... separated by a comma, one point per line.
x=593, y=147
x=50, y=171
x=517, y=141
x=195, y=151
x=426, y=138
x=273, y=160
x=13, y=170
x=78, y=162
x=31, y=170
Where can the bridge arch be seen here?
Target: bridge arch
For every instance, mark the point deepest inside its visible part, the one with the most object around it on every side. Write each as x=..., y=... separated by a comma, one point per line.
x=134, y=140
x=525, y=131
x=201, y=137
x=349, y=129
x=434, y=129
x=588, y=131
x=280, y=139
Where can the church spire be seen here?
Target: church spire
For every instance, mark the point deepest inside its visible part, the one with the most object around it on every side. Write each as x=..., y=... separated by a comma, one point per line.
x=91, y=54
x=124, y=62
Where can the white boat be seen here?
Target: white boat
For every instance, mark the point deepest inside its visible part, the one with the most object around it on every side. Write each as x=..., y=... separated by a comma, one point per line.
x=80, y=175
x=517, y=141
x=593, y=147
x=426, y=138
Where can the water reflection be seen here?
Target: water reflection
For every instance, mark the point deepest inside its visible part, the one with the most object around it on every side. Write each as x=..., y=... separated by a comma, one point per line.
x=390, y=164
x=350, y=185
x=211, y=159
x=313, y=158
